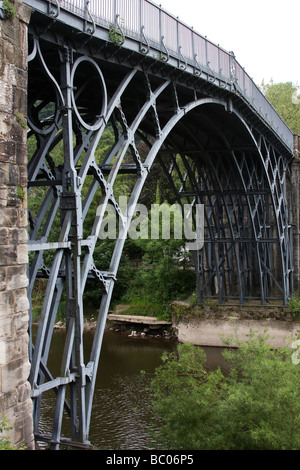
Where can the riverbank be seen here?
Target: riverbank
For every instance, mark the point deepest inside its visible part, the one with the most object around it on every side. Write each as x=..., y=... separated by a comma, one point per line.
x=213, y=324
x=209, y=325
x=139, y=325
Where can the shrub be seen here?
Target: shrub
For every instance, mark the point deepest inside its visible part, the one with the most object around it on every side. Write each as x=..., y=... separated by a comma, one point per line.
x=256, y=406
x=295, y=306
x=9, y=10
x=5, y=443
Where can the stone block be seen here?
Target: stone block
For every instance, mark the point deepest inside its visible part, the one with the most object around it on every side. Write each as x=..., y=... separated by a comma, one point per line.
x=20, y=234
x=8, y=255
x=22, y=254
x=23, y=393
x=3, y=352
x=5, y=125
x=8, y=57
x=24, y=13
x=7, y=151
x=3, y=197
x=23, y=176
x=3, y=235
x=14, y=373
x=14, y=348
x=6, y=304
x=4, y=174
x=16, y=277
x=16, y=131
x=5, y=96
x=22, y=215
x=13, y=236
x=9, y=400
x=19, y=101
x=21, y=154
x=8, y=216
x=6, y=328
x=21, y=302
x=20, y=322
x=12, y=197
x=22, y=78
x=2, y=278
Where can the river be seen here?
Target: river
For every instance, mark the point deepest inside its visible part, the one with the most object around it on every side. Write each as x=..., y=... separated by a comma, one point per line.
x=121, y=416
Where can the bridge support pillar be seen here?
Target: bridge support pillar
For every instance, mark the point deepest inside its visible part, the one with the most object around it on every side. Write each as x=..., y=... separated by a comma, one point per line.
x=295, y=197
x=15, y=401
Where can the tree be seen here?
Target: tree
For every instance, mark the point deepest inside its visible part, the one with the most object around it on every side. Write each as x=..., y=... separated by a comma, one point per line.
x=283, y=96
x=255, y=406
x=165, y=273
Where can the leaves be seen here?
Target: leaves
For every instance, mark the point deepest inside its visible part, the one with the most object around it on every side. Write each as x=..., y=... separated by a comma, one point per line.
x=255, y=406
x=280, y=96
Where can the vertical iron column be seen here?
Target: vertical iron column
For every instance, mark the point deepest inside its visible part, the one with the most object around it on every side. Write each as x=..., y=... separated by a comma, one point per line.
x=71, y=203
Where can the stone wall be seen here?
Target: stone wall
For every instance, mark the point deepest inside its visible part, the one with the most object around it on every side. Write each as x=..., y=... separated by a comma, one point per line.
x=213, y=331
x=209, y=324
x=15, y=401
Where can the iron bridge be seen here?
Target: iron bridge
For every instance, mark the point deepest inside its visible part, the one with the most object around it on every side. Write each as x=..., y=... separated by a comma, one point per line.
x=173, y=100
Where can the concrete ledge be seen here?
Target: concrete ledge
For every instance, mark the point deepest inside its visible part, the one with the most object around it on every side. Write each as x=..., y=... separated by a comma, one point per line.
x=209, y=332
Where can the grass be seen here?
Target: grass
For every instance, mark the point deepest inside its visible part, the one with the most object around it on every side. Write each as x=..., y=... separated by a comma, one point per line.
x=146, y=307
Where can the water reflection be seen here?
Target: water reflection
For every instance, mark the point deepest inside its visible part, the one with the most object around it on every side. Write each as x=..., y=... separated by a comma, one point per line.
x=121, y=416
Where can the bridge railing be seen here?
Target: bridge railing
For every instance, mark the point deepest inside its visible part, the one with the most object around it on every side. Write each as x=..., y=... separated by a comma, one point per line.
x=145, y=21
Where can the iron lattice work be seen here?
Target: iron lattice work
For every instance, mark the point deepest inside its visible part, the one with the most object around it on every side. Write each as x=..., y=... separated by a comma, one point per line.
x=211, y=151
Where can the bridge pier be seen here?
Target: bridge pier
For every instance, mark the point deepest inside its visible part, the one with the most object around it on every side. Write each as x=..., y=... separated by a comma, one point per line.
x=15, y=401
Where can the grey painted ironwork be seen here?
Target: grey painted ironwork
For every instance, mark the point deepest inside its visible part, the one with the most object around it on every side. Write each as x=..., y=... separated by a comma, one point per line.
x=2, y=13
x=211, y=142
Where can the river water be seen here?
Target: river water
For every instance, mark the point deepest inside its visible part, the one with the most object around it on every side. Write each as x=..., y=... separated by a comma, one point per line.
x=121, y=418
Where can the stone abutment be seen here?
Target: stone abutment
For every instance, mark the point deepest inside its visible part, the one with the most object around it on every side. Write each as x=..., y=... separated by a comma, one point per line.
x=15, y=401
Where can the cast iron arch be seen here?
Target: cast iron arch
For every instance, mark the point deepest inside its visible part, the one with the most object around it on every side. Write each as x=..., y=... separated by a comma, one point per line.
x=60, y=184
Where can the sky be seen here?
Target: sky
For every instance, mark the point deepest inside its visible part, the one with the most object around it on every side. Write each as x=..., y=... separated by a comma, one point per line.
x=263, y=34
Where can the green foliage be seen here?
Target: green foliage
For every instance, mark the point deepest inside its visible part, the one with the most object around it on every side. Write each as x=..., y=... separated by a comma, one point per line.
x=5, y=443
x=255, y=406
x=162, y=276
x=10, y=11
x=21, y=193
x=295, y=306
x=116, y=35
x=280, y=96
x=146, y=307
x=21, y=120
